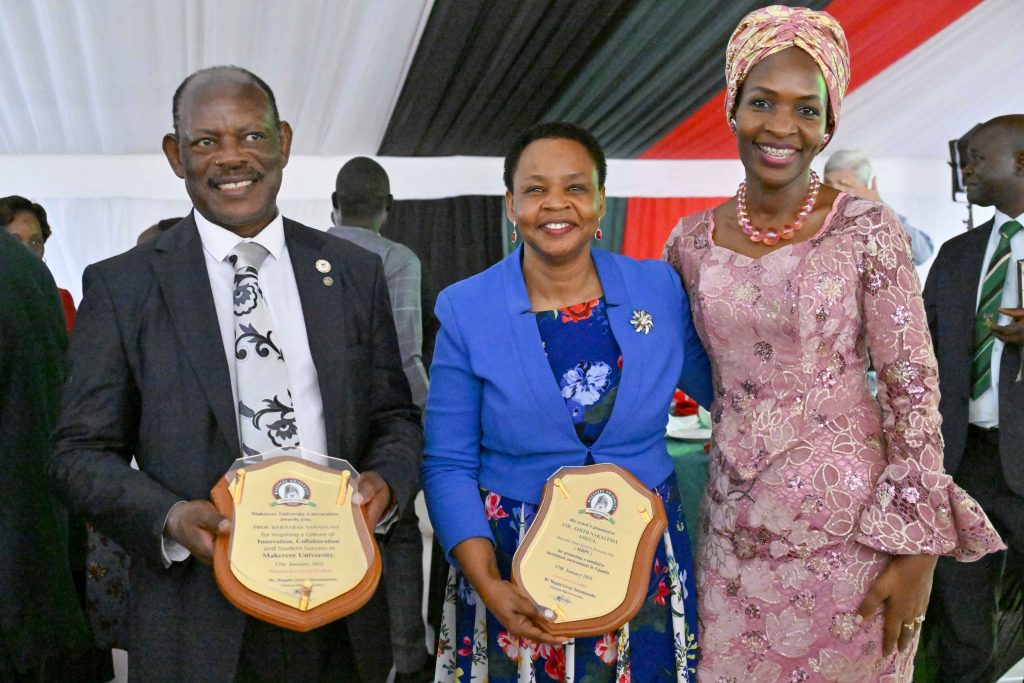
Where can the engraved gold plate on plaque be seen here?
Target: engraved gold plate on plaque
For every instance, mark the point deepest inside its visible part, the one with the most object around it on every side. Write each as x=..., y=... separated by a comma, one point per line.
x=299, y=554
x=589, y=551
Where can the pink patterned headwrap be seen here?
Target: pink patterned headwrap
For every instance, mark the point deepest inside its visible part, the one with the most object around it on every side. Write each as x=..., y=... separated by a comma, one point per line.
x=766, y=31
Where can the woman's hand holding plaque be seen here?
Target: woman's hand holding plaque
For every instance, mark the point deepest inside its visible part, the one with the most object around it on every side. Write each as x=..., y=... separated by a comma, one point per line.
x=588, y=554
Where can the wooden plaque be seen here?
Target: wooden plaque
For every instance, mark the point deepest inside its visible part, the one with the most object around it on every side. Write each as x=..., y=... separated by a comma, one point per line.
x=589, y=552
x=300, y=553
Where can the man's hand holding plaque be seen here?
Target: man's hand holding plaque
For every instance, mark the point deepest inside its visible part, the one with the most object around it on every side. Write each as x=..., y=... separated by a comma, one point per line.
x=587, y=556
x=300, y=552
x=195, y=524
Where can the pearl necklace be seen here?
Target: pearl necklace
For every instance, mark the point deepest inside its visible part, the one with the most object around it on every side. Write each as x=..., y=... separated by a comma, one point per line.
x=771, y=236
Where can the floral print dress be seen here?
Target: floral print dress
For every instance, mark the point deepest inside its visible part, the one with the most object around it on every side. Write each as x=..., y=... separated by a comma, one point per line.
x=812, y=484
x=660, y=643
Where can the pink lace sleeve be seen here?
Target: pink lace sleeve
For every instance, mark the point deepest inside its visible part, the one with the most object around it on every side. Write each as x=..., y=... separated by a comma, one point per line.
x=917, y=508
x=672, y=252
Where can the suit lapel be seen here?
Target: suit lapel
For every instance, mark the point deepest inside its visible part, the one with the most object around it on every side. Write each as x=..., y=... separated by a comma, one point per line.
x=527, y=344
x=323, y=308
x=181, y=271
x=617, y=304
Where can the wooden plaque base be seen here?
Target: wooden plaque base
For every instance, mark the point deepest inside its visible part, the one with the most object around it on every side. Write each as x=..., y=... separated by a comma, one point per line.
x=594, y=523
x=274, y=611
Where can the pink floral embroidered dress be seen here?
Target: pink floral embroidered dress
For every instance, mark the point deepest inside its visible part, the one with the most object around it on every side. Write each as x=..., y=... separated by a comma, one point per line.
x=811, y=482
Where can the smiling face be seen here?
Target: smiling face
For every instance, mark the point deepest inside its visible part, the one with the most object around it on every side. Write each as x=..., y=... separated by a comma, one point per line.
x=555, y=201
x=26, y=228
x=230, y=152
x=780, y=117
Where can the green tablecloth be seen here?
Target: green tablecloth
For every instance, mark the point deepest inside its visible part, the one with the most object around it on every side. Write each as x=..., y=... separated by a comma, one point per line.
x=691, y=461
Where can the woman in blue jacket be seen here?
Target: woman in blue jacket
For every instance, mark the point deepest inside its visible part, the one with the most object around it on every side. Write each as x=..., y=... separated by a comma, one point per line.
x=558, y=355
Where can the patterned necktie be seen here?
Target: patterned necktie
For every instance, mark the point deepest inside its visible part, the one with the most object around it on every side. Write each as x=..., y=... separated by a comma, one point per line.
x=266, y=414
x=988, y=310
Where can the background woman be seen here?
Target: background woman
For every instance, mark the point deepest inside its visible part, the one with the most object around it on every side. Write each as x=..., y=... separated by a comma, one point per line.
x=532, y=356
x=26, y=221
x=823, y=514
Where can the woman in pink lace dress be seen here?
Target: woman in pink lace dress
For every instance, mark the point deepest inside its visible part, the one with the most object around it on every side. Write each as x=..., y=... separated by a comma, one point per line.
x=824, y=509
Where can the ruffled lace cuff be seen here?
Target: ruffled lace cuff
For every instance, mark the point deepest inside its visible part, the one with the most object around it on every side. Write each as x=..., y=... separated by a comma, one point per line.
x=922, y=512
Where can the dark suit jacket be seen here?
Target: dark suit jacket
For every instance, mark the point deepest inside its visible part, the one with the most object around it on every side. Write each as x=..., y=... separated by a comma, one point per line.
x=39, y=613
x=950, y=299
x=147, y=375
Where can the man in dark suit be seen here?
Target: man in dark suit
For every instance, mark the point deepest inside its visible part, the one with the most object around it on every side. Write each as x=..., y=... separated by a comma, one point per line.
x=152, y=372
x=977, y=326
x=41, y=622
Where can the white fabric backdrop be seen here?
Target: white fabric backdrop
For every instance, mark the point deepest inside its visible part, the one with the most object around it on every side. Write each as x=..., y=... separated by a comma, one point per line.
x=96, y=76
x=969, y=72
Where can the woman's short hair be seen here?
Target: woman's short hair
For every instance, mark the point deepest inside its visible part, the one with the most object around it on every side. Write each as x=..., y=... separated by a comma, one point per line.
x=556, y=130
x=11, y=205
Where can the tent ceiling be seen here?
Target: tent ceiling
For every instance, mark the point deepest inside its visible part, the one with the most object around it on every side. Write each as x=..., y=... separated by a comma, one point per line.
x=97, y=77
x=971, y=71
x=440, y=77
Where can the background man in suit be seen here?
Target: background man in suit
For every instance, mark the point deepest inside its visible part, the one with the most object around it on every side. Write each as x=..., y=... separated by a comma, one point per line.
x=152, y=371
x=362, y=200
x=41, y=622
x=977, y=327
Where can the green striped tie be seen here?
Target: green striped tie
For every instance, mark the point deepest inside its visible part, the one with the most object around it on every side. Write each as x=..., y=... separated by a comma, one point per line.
x=988, y=310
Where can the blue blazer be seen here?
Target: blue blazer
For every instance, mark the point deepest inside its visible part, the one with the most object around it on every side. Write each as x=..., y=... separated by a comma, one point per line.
x=496, y=418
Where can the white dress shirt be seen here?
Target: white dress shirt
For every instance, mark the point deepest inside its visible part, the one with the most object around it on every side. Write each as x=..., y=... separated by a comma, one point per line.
x=277, y=282
x=984, y=411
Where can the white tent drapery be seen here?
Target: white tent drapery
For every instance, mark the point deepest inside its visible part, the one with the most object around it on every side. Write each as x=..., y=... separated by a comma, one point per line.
x=87, y=88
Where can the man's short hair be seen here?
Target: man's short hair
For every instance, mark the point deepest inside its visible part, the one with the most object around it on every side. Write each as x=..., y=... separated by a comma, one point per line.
x=256, y=80
x=12, y=204
x=1009, y=123
x=855, y=160
x=362, y=189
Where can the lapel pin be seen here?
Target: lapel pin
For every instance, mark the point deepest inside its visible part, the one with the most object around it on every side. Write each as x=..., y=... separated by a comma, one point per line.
x=323, y=265
x=642, y=321
x=328, y=280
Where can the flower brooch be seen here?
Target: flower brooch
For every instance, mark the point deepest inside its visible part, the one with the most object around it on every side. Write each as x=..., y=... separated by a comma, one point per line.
x=642, y=321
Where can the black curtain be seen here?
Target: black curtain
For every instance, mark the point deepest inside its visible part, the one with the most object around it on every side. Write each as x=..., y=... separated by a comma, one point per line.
x=485, y=70
x=629, y=71
x=454, y=237
x=662, y=63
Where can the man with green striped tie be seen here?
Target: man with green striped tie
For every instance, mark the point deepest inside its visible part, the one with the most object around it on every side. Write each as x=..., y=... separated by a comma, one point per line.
x=972, y=298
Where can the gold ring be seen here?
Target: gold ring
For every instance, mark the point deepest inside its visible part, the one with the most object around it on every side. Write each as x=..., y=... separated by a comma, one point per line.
x=909, y=627
x=919, y=620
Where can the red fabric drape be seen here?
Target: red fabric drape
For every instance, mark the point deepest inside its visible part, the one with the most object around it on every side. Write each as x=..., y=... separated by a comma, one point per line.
x=649, y=221
x=880, y=32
